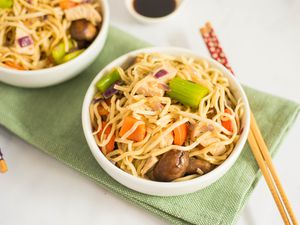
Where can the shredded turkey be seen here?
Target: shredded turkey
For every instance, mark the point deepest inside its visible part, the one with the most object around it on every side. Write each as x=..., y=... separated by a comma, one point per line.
x=27, y=49
x=218, y=150
x=58, y=12
x=208, y=141
x=155, y=103
x=83, y=11
x=151, y=87
x=166, y=141
x=199, y=128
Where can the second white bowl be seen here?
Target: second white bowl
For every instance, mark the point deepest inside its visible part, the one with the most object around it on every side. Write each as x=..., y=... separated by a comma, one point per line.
x=60, y=73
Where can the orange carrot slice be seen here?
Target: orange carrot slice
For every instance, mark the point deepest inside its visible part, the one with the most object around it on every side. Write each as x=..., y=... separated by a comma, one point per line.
x=180, y=134
x=14, y=65
x=111, y=144
x=227, y=123
x=102, y=111
x=66, y=4
x=138, y=134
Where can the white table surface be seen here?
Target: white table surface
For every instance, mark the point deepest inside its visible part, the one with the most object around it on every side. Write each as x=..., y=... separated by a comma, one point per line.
x=261, y=39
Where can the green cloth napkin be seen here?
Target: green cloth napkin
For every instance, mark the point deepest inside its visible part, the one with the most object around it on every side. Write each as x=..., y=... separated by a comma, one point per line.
x=50, y=119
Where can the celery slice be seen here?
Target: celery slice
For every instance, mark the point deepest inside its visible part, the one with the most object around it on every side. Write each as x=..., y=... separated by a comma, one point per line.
x=71, y=55
x=187, y=92
x=59, y=52
x=107, y=80
x=6, y=4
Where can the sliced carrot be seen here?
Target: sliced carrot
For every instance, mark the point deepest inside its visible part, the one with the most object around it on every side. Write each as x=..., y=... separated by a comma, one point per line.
x=138, y=134
x=3, y=166
x=102, y=111
x=14, y=65
x=180, y=134
x=111, y=144
x=227, y=123
x=66, y=4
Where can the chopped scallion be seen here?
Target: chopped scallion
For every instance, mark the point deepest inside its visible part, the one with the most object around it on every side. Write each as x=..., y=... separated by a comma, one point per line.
x=71, y=55
x=107, y=80
x=59, y=52
x=5, y=4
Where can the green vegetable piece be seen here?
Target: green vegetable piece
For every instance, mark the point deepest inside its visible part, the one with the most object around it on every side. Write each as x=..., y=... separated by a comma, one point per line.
x=5, y=4
x=71, y=55
x=59, y=52
x=187, y=92
x=107, y=80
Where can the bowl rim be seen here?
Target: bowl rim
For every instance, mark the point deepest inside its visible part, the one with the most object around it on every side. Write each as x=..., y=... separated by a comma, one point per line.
x=101, y=34
x=156, y=184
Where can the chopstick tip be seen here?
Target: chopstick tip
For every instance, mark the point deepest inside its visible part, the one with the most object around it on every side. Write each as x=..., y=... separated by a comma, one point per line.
x=3, y=165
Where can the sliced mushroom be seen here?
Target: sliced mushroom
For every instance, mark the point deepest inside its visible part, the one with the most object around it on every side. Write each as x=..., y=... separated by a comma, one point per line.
x=83, y=30
x=82, y=44
x=172, y=165
x=211, y=113
x=196, y=164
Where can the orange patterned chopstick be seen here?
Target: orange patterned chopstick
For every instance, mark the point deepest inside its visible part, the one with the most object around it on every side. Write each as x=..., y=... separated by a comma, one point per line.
x=3, y=166
x=213, y=45
x=255, y=139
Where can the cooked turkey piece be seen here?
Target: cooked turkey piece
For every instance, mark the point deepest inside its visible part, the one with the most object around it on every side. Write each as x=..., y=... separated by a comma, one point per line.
x=83, y=11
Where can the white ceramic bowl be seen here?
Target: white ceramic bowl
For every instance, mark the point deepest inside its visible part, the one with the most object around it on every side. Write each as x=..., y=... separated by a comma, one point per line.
x=164, y=188
x=57, y=74
x=152, y=20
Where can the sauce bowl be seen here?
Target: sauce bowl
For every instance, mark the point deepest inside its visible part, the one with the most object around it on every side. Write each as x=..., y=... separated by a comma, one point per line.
x=153, y=20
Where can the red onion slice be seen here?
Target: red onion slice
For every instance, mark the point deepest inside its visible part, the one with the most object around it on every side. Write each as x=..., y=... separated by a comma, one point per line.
x=160, y=73
x=111, y=90
x=97, y=100
x=25, y=41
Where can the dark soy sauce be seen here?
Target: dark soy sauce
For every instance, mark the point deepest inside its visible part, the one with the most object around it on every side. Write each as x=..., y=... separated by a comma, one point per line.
x=154, y=8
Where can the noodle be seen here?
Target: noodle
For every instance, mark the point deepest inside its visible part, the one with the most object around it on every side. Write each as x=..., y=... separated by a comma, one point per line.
x=161, y=115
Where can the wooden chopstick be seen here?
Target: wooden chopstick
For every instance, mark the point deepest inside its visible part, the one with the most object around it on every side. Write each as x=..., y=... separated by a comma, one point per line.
x=255, y=139
x=264, y=169
x=269, y=163
x=3, y=165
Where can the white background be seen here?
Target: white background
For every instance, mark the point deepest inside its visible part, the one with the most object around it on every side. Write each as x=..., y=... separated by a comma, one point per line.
x=262, y=42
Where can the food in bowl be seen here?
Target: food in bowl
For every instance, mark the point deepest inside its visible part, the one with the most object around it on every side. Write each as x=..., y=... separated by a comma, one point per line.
x=37, y=34
x=166, y=118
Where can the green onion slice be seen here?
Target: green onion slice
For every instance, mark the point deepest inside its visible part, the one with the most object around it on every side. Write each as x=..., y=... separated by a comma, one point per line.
x=59, y=52
x=107, y=80
x=6, y=4
x=71, y=55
